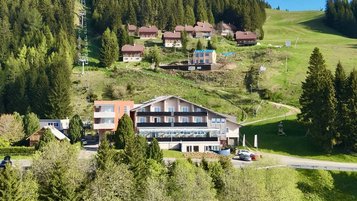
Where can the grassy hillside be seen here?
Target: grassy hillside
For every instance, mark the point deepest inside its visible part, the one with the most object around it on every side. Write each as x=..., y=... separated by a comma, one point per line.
x=308, y=29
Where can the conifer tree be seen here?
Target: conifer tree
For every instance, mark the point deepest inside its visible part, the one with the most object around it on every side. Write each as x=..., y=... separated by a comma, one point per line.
x=46, y=138
x=132, y=14
x=318, y=102
x=124, y=133
x=31, y=123
x=201, y=10
x=109, y=52
x=105, y=154
x=184, y=41
x=340, y=89
x=59, y=97
x=154, y=151
x=199, y=45
x=351, y=121
x=180, y=12
x=189, y=15
x=15, y=186
x=39, y=95
x=75, y=129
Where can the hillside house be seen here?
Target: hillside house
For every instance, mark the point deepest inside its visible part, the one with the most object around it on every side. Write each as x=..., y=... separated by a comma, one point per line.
x=60, y=124
x=226, y=29
x=34, y=139
x=189, y=29
x=245, y=38
x=132, y=29
x=203, y=30
x=150, y=32
x=132, y=53
x=172, y=39
x=204, y=57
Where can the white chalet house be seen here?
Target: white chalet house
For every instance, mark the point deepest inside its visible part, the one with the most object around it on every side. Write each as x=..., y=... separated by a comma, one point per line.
x=182, y=125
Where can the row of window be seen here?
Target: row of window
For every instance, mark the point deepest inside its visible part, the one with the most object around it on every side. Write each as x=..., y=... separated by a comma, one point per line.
x=201, y=54
x=206, y=148
x=52, y=124
x=171, y=119
x=111, y=109
x=218, y=120
x=171, y=109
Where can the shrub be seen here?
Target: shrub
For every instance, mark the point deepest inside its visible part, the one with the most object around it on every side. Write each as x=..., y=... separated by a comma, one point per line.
x=17, y=151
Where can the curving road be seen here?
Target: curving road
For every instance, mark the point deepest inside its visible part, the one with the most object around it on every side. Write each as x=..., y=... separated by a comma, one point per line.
x=288, y=161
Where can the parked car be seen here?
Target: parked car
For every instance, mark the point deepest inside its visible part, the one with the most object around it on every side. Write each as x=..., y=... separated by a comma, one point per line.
x=245, y=155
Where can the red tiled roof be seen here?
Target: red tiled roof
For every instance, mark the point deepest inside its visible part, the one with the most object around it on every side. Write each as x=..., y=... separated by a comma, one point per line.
x=133, y=48
x=204, y=24
x=228, y=26
x=202, y=29
x=173, y=35
x=240, y=35
x=150, y=29
x=187, y=28
x=132, y=27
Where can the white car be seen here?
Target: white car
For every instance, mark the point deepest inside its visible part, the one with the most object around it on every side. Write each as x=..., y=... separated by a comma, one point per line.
x=245, y=155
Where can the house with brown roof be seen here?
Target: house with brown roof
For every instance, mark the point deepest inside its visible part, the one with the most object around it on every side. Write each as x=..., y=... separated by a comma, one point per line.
x=149, y=32
x=132, y=53
x=203, y=30
x=226, y=29
x=189, y=29
x=132, y=30
x=244, y=38
x=172, y=39
x=34, y=139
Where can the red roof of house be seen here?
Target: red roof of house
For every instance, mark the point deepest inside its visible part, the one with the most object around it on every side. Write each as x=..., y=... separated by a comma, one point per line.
x=187, y=28
x=173, y=35
x=204, y=24
x=132, y=27
x=247, y=35
x=228, y=26
x=202, y=29
x=133, y=48
x=150, y=29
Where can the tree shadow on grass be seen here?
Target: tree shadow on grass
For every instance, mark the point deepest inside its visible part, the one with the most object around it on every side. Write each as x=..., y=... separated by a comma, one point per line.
x=296, y=142
x=318, y=25
x=346, y=182
x=354, y=46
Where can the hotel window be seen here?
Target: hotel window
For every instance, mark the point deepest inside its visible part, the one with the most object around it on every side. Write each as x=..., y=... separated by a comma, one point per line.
x=126, y=110
x=197, y=54
x=207, y=54
x=142, y=110
x=207, y=60
x=201, y=61
x=201, y=55
x=184, y=109
x=55, y=124
x=198, y=120
x=188, y=148
x=157, y=119
x=171, y=109
x=142, y=120
x=196, y=148
x=157, y=109
x=170, y=119
x=198, y=109
x=184, y=119
x=214, y=120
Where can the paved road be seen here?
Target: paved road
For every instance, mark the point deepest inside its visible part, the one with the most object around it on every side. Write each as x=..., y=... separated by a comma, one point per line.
x=294, y=162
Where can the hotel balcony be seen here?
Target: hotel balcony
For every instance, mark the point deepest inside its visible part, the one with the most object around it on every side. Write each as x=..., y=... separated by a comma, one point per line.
x=188, y=124
x=103, y=126
x=104, y=114
x=196, y=114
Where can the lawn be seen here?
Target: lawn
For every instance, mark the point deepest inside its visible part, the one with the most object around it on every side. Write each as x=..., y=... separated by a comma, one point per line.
x=307, y=30
x=172, y=154
x=296, y=143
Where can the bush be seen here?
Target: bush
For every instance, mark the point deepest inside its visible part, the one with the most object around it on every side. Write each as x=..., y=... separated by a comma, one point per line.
x=17, y=151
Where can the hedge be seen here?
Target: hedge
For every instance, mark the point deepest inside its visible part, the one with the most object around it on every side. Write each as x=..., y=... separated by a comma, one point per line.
x=17, y=151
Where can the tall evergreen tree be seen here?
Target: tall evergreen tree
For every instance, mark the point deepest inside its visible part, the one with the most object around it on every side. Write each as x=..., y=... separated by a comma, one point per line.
x=124, y=133
x=318, y=97
x=199, y=45
x=31, y=123
x=351, y=121
x=154, y=151
x=189, y=15
x=75, y=129
x=59, y=97
x=109, y=52
x=340, y=89
x=105, y=154
x=201, y=10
